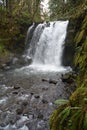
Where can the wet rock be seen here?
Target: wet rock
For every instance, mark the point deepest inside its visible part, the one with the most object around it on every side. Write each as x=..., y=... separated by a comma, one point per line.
x=2, y=66
x=23, y=128
x=15, y=60
x=7, y=68
x=40, y=116
x=32, y=93
x=24, y=103
x=68, y=78
x=19, y=110
x=53, y=81
x=15, y=92
x=48, y=24
x=45, y=80
x=28, y=60
x=16, y=87
x=45, y=88
x=31, y=117
x=44, y=101
x=41, y=125
x=50, y=81
x=23, y=120
x=2, y=124
x=65, y=77
x=11, y=118
x=36, y=96
x=25, y=110
x=32, y=124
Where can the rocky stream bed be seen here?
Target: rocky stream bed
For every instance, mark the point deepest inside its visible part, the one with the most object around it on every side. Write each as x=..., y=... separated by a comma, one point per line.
x=27, y=98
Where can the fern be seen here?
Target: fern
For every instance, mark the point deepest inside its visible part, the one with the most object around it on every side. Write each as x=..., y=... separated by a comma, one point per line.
x=65, y=116
x=75, y=119
x=60, y=127
x=85, y=99
x=85, y=122
x=61, y=101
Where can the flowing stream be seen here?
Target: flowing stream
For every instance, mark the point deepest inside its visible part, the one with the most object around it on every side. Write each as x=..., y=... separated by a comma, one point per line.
x=27, y=94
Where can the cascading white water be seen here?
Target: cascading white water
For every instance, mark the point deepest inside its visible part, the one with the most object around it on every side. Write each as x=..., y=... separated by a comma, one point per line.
x=48, y=48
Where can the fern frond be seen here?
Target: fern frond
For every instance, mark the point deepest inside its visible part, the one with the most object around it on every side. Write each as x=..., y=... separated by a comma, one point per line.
x=65, y=116
x=61, y=101
x=85, y=122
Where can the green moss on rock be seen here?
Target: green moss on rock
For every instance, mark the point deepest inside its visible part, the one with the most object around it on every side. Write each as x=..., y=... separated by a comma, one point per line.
x=4, y=55
x=77, y=98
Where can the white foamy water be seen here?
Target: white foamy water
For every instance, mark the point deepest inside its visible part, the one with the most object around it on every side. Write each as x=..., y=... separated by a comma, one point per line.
x=20, y=122
x=13, y=127
x=48, y=50
x=3, y=100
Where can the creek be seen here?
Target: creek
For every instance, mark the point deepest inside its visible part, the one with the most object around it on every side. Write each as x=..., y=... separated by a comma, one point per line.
x=27, y=94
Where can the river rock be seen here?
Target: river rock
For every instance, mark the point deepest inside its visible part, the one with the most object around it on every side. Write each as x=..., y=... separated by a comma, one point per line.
x=24, y=103
x=36, y=96
x=16, y=87
x=45, y=87
x=19, y=110
x=15, y=92
x=53, y=81
x=50, y=81
x=44, y=101
x=68, y=78
x=11, y=118
x=31, y=117
x=40, y=116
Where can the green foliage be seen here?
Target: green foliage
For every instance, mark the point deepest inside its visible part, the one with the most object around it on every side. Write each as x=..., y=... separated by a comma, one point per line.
x=85, y=122
x=81, y=53
x=72, y=115
x=79, y=97
x=71, y=9
x=61, y=101
x=79, y=36
x=1, y=47
x=15, y=18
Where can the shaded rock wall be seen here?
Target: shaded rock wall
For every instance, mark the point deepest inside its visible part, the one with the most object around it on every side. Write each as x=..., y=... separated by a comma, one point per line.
x=69, y=47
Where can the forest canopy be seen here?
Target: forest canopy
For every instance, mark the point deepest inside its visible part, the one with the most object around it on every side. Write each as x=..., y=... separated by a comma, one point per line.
x=15, y=18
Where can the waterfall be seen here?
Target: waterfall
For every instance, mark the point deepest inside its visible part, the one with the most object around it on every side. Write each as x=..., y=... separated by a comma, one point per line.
x=46, y=46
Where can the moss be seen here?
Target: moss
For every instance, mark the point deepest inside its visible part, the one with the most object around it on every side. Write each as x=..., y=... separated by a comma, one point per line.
x=4, y=55
x=81, y=54
x=77, y=98
x=79, y=36
x=84, y=25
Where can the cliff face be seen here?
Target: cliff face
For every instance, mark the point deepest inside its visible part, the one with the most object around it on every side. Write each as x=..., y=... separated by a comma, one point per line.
x=69, y=48
x=81, y=53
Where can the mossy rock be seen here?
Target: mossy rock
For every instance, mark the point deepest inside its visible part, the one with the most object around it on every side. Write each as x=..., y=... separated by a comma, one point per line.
x=4, y=56
x=77, y=98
